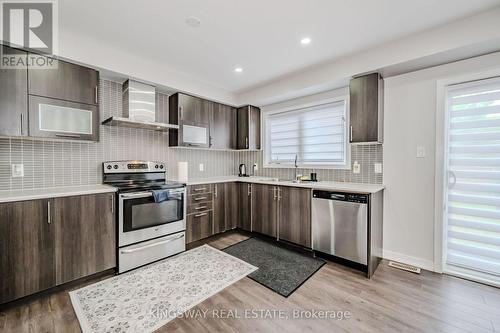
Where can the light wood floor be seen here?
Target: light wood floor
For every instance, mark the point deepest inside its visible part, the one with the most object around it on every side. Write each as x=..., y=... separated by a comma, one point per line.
x=392, y=301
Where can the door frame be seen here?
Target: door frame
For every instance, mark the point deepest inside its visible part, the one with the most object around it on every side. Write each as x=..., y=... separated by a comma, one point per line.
x=441, y=159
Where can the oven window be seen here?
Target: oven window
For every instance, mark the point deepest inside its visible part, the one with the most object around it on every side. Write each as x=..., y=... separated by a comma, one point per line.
x=144, y=212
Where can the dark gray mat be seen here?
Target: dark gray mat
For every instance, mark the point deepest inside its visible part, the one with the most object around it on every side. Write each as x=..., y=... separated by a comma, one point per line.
x=280, y=269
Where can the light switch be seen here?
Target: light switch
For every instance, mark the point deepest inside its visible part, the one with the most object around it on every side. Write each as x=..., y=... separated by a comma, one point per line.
x=17, y=170
x=201, y=167
x=420, y=151
x=356, y=167
x=377, y=167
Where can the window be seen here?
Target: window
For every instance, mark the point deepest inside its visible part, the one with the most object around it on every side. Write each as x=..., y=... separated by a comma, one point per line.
x=473, y=188
x=315, y=134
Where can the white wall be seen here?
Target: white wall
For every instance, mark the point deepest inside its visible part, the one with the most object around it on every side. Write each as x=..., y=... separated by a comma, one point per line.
x=410, y=120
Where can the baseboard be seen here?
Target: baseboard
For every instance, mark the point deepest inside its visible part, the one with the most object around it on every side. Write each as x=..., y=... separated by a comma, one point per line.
x=405, y=259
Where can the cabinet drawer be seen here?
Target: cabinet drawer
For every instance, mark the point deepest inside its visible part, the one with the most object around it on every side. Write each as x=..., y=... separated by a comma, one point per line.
x=197, y=198
x=198, y=189
x=199, y=207
x=199, y=226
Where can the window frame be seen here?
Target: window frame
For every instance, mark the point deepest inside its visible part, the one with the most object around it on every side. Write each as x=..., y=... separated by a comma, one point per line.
x=266, y=142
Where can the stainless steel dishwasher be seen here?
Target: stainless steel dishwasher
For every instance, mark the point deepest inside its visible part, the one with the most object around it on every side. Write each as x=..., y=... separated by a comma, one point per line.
x=340, y=225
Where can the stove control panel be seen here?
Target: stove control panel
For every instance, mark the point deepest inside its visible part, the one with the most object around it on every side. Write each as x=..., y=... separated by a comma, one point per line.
x=133, y=167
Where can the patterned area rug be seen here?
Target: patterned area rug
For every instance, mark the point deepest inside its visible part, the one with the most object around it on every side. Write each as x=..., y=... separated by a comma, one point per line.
x=280, y=269
x=147, y=298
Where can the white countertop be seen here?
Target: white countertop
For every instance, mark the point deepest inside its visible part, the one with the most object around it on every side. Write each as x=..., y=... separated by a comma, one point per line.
x=53, y=192
x=320, y=185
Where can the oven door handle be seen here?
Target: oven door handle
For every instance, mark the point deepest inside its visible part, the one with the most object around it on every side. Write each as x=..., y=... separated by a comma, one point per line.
x=151, y=245
x=136, y=195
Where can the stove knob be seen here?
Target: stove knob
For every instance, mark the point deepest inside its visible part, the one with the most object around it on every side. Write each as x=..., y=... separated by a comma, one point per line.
x=115, y=166
x=108, y=167
x=161, y=166
x=156, y=166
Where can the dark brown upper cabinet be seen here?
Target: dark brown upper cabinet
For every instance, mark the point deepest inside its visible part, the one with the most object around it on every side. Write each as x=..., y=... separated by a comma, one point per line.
x=248, y=128
x=68, y=82
x=13, y=97
x=223, y=126
x=366, y=108
x=192, y=115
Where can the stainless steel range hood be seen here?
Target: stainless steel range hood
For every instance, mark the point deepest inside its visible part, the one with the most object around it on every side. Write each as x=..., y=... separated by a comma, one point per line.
x=139, y=109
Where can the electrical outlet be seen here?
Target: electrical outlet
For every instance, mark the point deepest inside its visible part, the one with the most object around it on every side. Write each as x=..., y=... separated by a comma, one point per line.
x=356, y=167
x=17, y=170
x=377, y=167
x=420, y=151
x=201, y=167
x=255, y=166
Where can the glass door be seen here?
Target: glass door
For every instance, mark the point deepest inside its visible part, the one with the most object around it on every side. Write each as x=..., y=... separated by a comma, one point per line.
x=472, y=213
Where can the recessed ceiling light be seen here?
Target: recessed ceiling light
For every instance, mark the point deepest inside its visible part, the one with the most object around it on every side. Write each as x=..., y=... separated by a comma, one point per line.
x=193, y=21
x=305, y=41
x=238, y=69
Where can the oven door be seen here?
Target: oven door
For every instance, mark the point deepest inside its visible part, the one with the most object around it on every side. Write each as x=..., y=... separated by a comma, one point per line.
x=141, y=218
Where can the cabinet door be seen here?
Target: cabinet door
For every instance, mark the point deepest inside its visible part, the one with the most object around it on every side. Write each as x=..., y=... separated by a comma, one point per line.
x=294, y=216
x=191, y=110
x=254, y=128
x=243, y=128
x=68, y=82
x=244, y=206
x=26, y=249
x=13, y=96
x=51, y=118
x=232, y=205
x=199, y=226
x=364, y=108
x=264, y=209
x=223, y=127
x=85, y=239
x=219, y=208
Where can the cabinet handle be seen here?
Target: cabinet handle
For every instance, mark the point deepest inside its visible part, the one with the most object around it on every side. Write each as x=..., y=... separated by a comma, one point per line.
x=200, y=189
x=200, y=198
x=249, y=189
x=200, y=208
x=49, y=215
x=112, y=204
x=200, y=215
x=279, y=193
x=274, y=192
x=246, y=142
x=68, y=136
x=215, y=192
x=350, y=134
x=95, y=94
x=22, y=121
x=181, y=111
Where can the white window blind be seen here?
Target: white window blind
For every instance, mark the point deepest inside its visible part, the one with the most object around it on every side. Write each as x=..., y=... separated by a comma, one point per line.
x=473, y=196
x=317, y=135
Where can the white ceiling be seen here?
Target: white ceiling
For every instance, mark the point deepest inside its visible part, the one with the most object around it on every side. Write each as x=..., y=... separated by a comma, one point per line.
x=260, y=36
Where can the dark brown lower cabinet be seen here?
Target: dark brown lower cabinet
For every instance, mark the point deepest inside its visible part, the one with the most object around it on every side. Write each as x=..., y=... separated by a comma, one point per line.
x=45, y=243
x=199, y=226
x=294, y=215
x=84, y=235
x=26, y=249
x=219, y=208
x=264, y=209
x=231, y=192
x=245, y=206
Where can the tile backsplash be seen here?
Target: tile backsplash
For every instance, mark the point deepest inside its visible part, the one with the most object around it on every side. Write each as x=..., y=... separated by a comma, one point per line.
x=365, y=155
x=49, y=163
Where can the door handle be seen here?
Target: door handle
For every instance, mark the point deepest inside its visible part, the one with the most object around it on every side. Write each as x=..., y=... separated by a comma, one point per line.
x=151, y=245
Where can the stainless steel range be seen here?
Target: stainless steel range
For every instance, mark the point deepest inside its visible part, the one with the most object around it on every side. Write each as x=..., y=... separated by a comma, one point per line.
x=147, y=230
